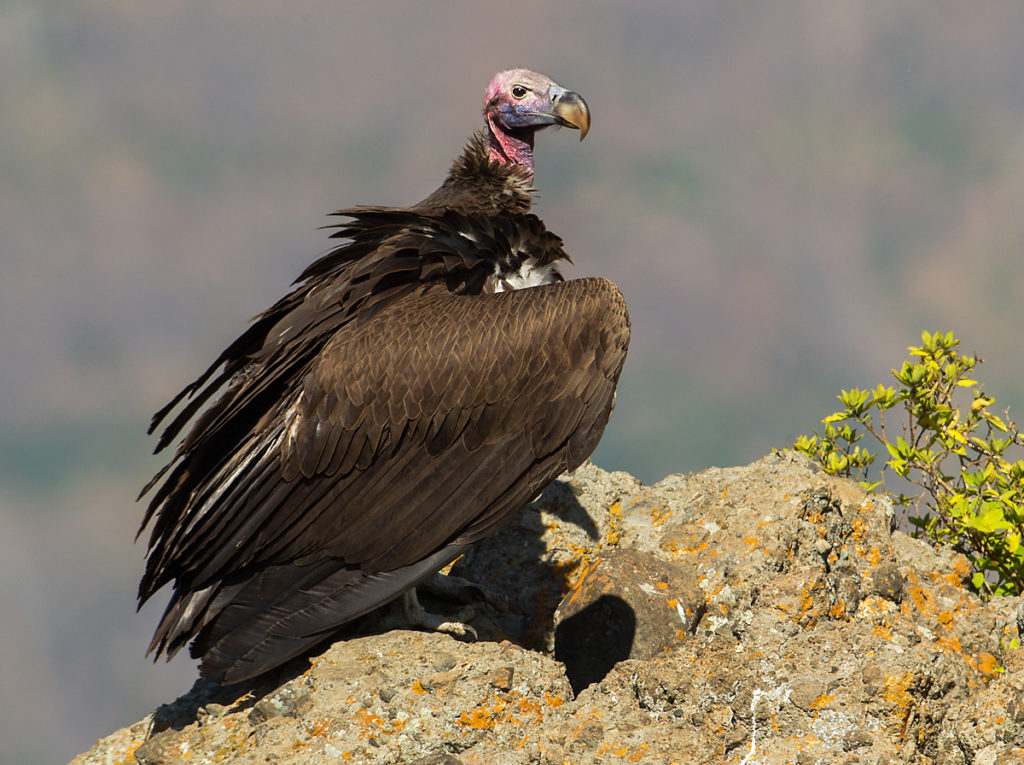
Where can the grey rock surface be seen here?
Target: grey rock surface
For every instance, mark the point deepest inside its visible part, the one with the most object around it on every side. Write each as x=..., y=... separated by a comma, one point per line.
x=766, y=613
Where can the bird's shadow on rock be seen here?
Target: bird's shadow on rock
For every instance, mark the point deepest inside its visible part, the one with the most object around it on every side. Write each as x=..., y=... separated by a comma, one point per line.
x=560, y=500
x=593, y=640
x=520, y=566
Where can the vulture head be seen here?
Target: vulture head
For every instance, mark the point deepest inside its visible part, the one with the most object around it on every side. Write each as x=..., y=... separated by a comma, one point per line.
x=518, y=104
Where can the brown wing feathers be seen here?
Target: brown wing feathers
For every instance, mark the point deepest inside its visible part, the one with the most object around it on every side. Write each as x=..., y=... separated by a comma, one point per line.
x=403, y=391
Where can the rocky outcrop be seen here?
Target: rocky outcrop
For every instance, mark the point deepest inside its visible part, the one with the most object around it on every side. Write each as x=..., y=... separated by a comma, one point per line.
x=764, y=614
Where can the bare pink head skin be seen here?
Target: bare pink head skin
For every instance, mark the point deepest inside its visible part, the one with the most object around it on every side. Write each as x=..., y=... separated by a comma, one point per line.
x=518, y=104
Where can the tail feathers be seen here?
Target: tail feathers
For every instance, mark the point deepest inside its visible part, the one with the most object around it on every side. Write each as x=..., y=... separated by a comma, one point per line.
x=187, y=614
x=282, y=611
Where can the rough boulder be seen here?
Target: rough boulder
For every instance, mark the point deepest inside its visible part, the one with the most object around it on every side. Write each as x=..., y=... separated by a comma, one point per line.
x=766, y=613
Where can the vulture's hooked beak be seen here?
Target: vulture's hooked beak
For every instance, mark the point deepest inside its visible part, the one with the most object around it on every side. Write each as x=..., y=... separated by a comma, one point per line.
x=570, y=110
x=567, y=109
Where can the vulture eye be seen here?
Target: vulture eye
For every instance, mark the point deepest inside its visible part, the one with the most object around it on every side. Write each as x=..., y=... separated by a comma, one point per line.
x=519, y=92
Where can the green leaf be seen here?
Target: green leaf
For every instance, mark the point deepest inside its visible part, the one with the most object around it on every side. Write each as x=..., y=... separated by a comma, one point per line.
x=837, y=463
x=976, y=480
x=995, y=421
x=990, y=519
x=956, y=435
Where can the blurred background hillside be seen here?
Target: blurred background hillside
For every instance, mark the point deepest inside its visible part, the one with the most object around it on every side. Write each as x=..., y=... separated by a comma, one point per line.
x=787, y=194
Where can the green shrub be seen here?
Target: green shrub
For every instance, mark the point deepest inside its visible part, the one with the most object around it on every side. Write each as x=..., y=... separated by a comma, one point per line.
x=970, y=492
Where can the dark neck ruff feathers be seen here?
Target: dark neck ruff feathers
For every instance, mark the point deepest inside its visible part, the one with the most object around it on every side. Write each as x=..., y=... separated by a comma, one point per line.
x=476, y=182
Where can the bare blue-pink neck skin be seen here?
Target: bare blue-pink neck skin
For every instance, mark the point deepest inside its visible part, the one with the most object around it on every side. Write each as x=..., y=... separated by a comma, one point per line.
x=509, y=149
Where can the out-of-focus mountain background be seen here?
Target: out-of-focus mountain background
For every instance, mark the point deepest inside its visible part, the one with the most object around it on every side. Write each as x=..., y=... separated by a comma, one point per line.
x=787, y=193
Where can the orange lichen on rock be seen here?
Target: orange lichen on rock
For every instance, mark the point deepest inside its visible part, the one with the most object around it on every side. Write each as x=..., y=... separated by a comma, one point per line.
x=532, y=707
x=874, y=556
x=875, y=606
x=614, y=522
x=638, y=754
x=576, y=587
x=822, y=700
x=658, y=517
x=882, y=631
x=807, y=605
x=319, y=728
x=838, y=610
x=897, y=693
x=960, y=571
x=697, y=547
x=628, y=754
x=480, y=718
x=372, y=725
x=129, y=753
x=986, y=664
x=919, y=597
x=508, y=709
x=858, y=528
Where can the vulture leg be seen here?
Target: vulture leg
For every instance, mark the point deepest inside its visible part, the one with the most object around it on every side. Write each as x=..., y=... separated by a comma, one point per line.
x=417, y=616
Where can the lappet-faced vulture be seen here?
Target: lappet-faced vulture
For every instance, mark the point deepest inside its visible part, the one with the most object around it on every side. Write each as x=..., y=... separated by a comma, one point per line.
x=420, y=384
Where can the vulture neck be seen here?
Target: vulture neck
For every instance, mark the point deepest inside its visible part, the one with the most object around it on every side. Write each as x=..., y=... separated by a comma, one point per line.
x=513, y=149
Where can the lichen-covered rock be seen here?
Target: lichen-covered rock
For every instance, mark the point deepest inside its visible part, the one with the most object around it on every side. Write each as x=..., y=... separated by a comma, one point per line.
x=391, y=698
x=627, y=605
x=767, y=608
